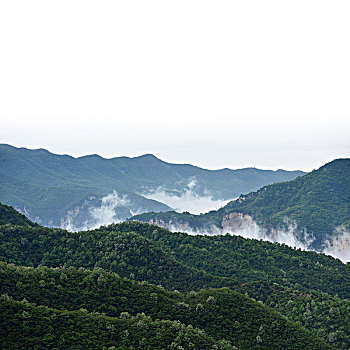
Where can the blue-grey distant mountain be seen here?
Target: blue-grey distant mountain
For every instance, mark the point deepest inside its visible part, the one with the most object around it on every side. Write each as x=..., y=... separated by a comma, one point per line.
x=63, y=191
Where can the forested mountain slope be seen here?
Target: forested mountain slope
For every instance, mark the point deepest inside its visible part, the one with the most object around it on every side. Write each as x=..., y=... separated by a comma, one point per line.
x=10, y=216
x=222, y=313
x=309, y=288
x=130, y=252
x=38, y=327
x=313, y=208
x=248, y=260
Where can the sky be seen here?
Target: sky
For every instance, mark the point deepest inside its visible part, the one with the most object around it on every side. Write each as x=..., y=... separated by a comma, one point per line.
x=212, y=83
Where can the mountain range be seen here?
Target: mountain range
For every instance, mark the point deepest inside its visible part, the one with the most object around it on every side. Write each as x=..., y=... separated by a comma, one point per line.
x=84, y=192
x=232, y=285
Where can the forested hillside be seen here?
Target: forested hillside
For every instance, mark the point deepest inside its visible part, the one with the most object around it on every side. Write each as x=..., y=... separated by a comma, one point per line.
x=315, y=205
x=249, y=260
x=12, y=217
x=222, y=313
x=310, y=289
x=39, y=327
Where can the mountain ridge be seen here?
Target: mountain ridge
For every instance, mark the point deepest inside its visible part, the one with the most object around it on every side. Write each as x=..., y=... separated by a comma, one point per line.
x=82, y=278
x=145, y=155
x=34, y=181
x=315, y=204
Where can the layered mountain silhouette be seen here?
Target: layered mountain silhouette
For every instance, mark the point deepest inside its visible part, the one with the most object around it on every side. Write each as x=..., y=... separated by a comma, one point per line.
x=312, y=210
x=84, y=192
x=138, y=286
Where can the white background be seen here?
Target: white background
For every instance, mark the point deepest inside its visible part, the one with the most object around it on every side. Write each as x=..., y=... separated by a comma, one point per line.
x=213, y=83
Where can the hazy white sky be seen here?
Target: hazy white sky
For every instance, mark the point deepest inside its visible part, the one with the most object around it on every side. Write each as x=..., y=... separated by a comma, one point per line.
x=213, y=83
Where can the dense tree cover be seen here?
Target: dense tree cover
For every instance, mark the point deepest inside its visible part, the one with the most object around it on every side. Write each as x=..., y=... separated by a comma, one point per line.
x=222, y=313
x=327, y=317
x=25, y=325
x=12, y=217
x=50, y=185
x=317, y=202
x=299, y=284
x=138, y=257
x=249, y=260
x=149, y=253
x=127, y=253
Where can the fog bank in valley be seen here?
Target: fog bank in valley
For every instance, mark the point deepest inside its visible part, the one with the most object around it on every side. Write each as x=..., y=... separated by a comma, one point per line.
x=186, y=199
x=115, y=208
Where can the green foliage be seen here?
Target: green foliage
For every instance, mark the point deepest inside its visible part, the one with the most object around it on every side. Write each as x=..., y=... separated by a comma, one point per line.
x=249, y=260
x=126, y=253
x=39, y=327
x=307, y=287
x=9, y=216
x=317, y=202
x=272, y=273
x=225, y=314
x=326, y=316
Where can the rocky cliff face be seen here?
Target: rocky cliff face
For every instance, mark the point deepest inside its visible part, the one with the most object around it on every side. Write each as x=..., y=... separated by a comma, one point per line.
x=239, y=222
x=289, y=233
x=183, y=226
x=234, y=223
x=244, y=225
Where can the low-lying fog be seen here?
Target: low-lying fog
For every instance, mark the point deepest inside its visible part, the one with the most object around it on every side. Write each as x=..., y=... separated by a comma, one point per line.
x=338, y=246
x=187, y=200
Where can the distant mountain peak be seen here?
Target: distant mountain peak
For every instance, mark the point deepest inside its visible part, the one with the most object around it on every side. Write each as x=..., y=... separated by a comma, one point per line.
x=148, y=155
x=63, y=184
x=91, y=156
